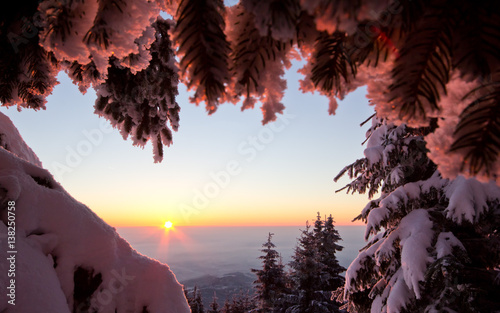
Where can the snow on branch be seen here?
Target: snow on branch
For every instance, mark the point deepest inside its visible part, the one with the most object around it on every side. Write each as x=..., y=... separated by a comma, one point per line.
x=469, y=198
x=93, y=31
x=258, y=64
x=424, y=228
x=406, y=53
x=464, y=143
x=142, y=104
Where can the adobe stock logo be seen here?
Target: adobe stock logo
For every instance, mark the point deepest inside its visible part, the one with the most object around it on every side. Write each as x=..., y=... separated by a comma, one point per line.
x=249, y=150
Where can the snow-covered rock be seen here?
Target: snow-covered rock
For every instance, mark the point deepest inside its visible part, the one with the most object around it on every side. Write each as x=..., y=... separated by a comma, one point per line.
x=67, y=259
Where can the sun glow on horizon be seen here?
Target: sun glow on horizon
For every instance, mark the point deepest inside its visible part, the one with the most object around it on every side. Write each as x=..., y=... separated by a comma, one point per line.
x=168, y=224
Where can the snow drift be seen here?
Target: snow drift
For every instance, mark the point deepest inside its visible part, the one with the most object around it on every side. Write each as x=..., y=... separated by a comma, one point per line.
x=68, y=259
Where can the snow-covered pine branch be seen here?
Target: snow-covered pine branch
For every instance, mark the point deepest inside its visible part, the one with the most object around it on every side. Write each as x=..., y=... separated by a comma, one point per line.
x=141, y=104
x=406, y=52
x=424, y=232
x=258, y=64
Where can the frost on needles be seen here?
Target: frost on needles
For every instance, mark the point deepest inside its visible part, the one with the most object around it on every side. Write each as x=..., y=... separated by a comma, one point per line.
x=418, y=60
x=433, y=243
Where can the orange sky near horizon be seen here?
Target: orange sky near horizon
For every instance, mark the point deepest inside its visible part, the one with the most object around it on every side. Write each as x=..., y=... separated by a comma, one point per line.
x=149, y=215
x=213, y=221
x=226, y=169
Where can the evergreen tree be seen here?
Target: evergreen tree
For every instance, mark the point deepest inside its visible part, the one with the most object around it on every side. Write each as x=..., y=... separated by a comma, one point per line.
x=214, y=306
x=271, y=282
x=195, y=301
x=227, y=307
x=411, y=54
x=327, y=251
x=306, y=270
x=434, y=243
x=240, y=303
x=315, y=269
x=186, y=294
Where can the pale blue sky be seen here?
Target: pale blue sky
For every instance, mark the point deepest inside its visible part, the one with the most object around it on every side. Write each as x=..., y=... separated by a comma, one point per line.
x=286, y=183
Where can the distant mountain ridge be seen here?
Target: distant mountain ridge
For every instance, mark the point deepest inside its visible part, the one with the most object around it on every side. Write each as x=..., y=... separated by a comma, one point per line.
x=224, y=286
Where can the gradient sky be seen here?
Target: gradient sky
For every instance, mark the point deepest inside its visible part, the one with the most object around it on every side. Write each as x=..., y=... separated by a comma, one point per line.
x=223, y=169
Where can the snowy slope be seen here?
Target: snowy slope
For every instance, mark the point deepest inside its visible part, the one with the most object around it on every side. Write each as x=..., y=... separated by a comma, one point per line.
x=68, y=259
x=11, y=140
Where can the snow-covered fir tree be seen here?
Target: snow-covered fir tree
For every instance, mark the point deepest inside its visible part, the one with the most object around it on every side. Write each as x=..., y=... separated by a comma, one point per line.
x=412, y=54
x=271, y=281
x=195, y=301
x=315, y=270
x=226, y=308
x=240, y=303
x=214, y=305
x=329, y=238
x=433, y=243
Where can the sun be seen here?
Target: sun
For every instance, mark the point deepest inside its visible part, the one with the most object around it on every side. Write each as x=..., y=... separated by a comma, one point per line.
x=168, y=224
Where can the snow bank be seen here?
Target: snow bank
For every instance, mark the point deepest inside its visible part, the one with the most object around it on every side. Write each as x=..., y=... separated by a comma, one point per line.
x=9, y=140
x=68, y=259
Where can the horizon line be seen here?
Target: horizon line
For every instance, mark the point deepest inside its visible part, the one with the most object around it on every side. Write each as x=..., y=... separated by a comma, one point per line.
x=226, y=225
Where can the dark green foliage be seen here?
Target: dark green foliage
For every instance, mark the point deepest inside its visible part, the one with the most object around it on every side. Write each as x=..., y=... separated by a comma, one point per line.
x=271, y=281
x=462, y=253
x=251, y=54
x=408, y=155
x=315, y=270
x=479, y=127
x=27, y=70
x=195, y=301
x=423, y=67
x=331, y=66
x=240, y=303
x=141, y=104
x=214, y=306
x=200, y=34
x=477, y=40
x=228, y=53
